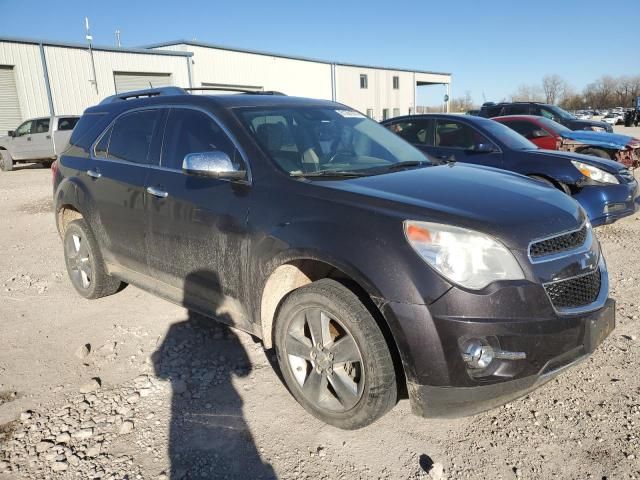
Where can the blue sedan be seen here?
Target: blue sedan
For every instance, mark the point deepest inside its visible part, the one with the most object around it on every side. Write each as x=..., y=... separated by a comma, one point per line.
x=606, y=189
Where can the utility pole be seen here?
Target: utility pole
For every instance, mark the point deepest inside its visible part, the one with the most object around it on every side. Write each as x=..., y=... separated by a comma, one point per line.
x=118, y=44
x=89, y=39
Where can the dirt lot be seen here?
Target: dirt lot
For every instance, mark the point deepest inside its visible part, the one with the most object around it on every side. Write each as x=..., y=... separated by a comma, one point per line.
x=180, y=397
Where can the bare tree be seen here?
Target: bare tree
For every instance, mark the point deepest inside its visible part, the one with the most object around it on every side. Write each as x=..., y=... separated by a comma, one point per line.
x=527, y=93
x=462, y=104
x=553, y=86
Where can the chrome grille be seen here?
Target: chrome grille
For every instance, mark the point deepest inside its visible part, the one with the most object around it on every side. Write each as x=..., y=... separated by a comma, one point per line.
x=561, y=243
x=575, y=292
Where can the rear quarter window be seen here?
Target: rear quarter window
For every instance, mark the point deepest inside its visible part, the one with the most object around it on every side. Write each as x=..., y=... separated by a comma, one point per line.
x=85, y=133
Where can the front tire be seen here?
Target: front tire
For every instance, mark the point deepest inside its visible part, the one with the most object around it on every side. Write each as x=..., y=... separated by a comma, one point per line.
x=85, y=265
x=560, y=186
x=333, y=356
x=6, y=162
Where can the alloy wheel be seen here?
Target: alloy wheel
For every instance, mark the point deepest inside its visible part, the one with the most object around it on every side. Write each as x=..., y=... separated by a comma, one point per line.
x=79, y=260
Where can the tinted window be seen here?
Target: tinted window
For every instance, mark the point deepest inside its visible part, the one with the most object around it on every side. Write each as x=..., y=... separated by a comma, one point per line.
x=525, y=129
x=457, y=135
x=102, y=146
x=41, y=126
x=67, y=123
x=416, y=132
x=24, y=129
x=131, y=136
x=190, y=131
x=85, y=133
x=522, y=109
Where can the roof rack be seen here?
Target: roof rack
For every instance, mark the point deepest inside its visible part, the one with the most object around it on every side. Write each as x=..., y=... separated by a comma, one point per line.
x=236, y=89
x=149, y=92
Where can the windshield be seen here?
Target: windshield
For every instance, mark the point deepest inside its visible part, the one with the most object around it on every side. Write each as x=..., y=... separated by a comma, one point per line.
x=312, y=140
x=561, y=113
x=510, y=138
x=553, y=126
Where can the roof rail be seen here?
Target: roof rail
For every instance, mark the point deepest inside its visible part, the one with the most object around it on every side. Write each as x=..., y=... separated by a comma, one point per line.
x=149, y=92
x=236, y=89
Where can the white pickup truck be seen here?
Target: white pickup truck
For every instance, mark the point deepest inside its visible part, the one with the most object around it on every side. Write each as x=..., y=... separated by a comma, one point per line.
x=39, y=140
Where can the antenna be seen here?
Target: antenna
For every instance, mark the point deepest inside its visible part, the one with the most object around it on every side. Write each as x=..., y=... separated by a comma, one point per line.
x=87, y=31
x=89, y=37
x=118, y=44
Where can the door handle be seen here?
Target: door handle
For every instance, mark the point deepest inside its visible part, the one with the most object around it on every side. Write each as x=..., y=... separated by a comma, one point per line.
x=48, y=137
x=94, y=174
x=156, y=192
x=29, y=139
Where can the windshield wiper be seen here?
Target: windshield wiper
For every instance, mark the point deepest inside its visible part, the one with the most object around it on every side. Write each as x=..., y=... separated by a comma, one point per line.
x=407, y=164
x=330, y=173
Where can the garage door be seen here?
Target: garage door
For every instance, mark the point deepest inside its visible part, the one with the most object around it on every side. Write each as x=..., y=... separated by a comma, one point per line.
x=10, y=116
x=128, y=81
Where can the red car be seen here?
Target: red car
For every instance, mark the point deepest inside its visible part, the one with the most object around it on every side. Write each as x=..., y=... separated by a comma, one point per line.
x=550, y=135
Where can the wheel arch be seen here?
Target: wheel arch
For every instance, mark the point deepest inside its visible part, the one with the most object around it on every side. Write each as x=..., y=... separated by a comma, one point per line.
x=298, y=271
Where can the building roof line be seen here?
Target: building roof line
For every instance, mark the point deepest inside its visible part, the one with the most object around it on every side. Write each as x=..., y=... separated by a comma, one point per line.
x=195, y=43
x=85, y=46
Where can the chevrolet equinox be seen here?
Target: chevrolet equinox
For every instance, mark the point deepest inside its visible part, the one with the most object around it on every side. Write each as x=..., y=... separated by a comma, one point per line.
x=373, y=272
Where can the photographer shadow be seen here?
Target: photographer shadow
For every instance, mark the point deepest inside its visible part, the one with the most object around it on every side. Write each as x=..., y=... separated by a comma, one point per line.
x=208, y=436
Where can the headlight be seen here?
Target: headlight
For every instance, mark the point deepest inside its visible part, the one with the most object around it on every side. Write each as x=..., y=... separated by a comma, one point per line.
x=594, y=173
x=470, y=259
x=597, y=129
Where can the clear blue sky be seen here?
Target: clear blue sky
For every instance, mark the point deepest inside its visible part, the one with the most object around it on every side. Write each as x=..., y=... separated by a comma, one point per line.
x=491, y=47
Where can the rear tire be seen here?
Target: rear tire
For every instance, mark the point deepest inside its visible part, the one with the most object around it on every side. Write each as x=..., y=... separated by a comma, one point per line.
x=85, y=265
x=6, y=162
x=333, y=356
x=596, y=152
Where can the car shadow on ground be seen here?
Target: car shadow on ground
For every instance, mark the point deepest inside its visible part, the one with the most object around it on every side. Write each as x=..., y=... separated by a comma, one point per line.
x=208, y=436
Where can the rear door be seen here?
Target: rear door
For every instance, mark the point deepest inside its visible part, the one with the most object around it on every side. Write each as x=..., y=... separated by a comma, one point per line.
x=459, y=142
x=117, y=179
x=41, y=139
x=197, y=242
x=62, y=133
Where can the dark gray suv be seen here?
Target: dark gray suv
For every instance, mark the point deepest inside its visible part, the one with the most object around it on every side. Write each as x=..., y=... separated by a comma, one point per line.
x=373, y=272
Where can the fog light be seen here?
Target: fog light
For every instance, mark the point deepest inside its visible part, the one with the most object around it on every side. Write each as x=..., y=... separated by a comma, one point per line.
x=477, y=353
x=614, y=207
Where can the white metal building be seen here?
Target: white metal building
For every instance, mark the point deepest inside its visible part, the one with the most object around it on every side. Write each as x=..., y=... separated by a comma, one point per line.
x=41, y=78
x=380, y=92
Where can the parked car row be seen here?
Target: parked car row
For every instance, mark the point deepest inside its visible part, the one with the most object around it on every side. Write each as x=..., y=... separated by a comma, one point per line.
x=374, y=270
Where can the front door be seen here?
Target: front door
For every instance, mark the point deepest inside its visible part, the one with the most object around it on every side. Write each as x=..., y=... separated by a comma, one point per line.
x=459, y=142
x=197, y=242
x=21, y=142
x=116, y=176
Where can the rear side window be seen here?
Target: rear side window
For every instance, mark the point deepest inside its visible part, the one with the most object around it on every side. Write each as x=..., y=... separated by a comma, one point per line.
x=457, y=135
x=67, y=123
x=520, y=109
x=131, y=136
x=190, y=131
x=416, y=132
x=523, y=128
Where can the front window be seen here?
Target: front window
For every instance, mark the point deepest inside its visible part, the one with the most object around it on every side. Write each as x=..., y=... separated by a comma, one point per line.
x=24, y=129
x=304, y=140
x=556, y=112
x=553, y=126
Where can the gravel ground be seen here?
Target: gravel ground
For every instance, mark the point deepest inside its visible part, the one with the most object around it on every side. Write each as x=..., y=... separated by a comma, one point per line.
x=131, y=386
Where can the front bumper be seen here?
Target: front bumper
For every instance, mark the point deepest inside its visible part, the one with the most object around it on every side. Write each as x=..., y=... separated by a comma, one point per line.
x=438, y=380
x=607, y=203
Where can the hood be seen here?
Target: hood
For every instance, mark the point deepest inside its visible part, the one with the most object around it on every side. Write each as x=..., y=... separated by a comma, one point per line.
x=600, y=139
x=606, y=165
x=509, y=206
x=581, y=124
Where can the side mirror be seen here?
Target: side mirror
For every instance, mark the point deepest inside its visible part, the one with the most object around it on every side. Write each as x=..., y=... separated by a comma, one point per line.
x=214, y=164
x=11, y=133
x=482, y=148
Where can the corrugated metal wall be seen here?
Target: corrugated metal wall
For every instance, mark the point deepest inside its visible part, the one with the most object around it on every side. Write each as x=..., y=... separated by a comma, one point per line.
x=290, y=76
x=70, y=73
x=29, y=77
